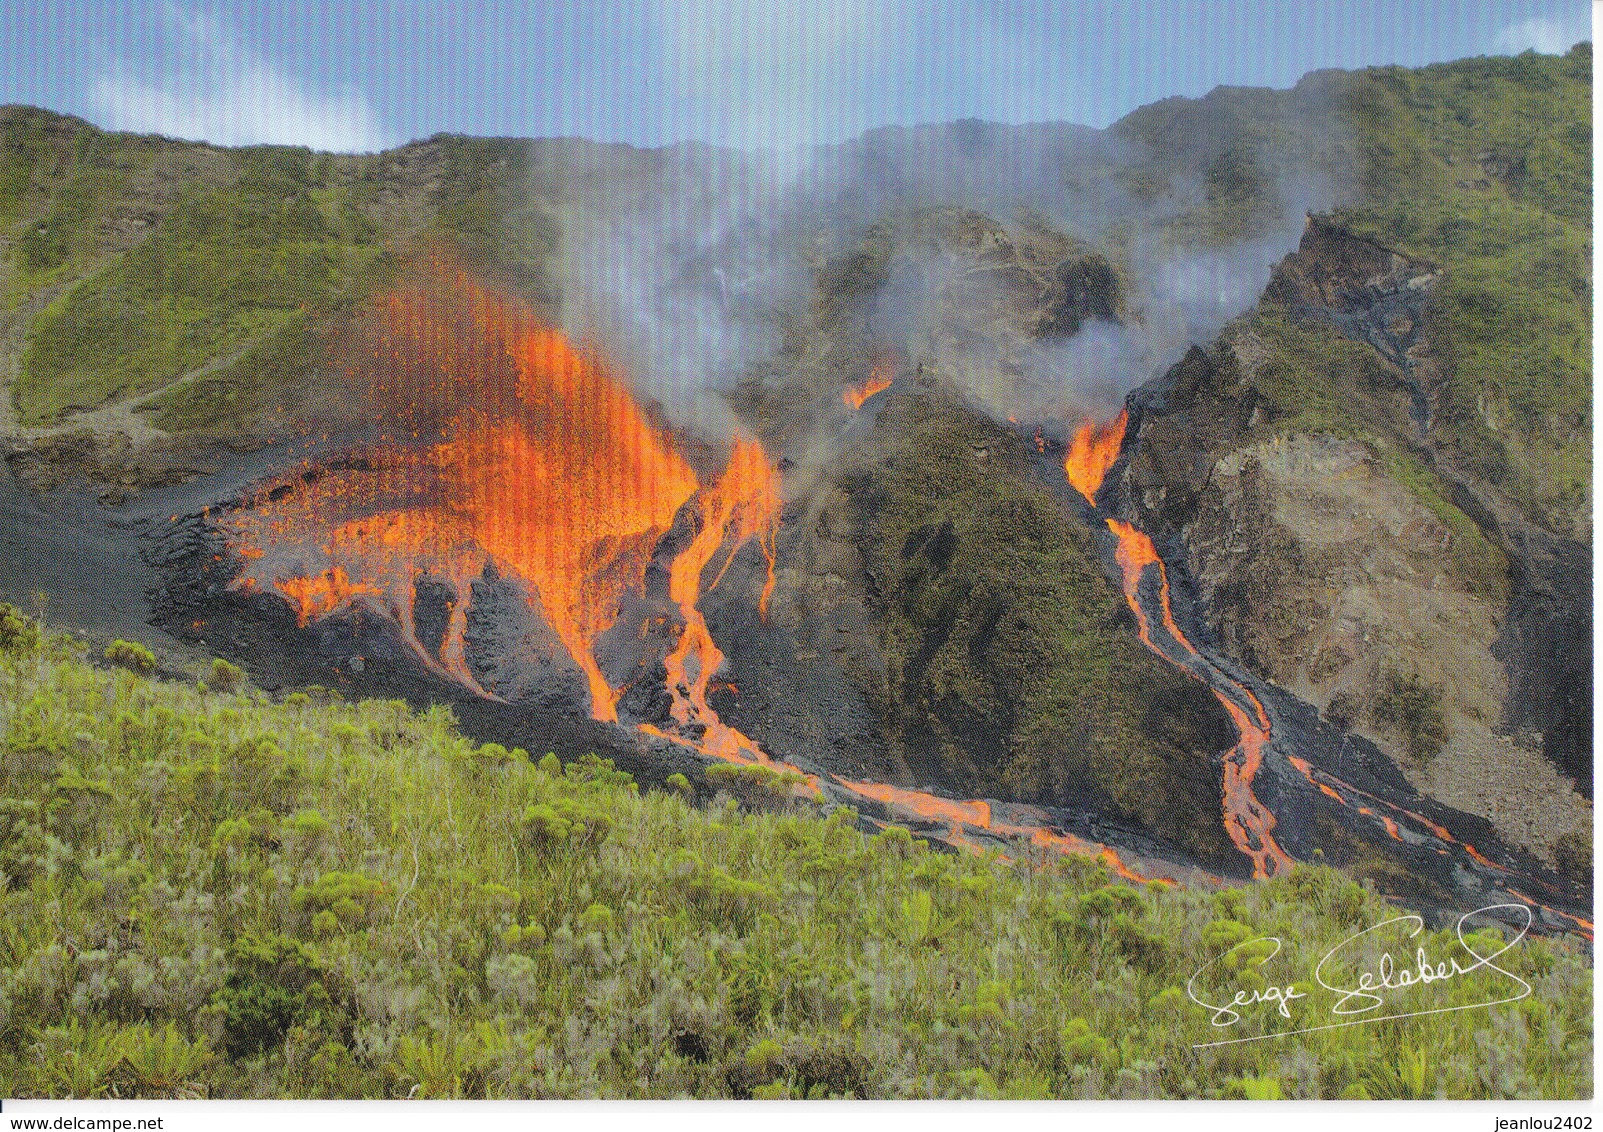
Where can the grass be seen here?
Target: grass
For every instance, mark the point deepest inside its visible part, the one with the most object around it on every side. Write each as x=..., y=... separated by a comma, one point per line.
x=246, y=258
x=225, y=399
x=212, y=894
x=225, y=269
x=1512, y=317
x=239, y=257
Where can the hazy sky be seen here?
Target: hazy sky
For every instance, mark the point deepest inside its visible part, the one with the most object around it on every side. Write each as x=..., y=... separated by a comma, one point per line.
x=365, y=74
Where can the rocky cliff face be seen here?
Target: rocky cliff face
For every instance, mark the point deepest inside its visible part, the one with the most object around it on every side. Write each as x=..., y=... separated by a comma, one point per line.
x=1354, y=561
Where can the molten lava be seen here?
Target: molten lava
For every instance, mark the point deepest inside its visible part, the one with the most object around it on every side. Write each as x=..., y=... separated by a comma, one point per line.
x=879, y=380
x=503, y=443
x=1092, y=452
x=743, y=505
x=962, y=817
x=1247, y=821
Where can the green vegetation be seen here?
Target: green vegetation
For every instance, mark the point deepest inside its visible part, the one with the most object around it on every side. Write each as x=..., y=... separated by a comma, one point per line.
x=1482, y=166
x=1322, y=382
x=130, y=655
x=225, y=677
x=256, y=381
x=227, y=267
x=215, y=895
x=1413, y=710
x=216, y=278
x=1005, y=641
x=1512, y=316
x=484, y=208
x=25, y=145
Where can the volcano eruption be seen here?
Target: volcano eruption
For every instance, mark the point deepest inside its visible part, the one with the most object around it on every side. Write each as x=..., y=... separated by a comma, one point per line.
x=504, y=446
x=506, y=454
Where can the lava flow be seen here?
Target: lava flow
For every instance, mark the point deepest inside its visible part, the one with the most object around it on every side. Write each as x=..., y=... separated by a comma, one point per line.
x=879, y=380
x=1422, y=827
x=1091, y=453
x=503, y=443
x=1247, y=821
x=962, y=817
x=743, y=505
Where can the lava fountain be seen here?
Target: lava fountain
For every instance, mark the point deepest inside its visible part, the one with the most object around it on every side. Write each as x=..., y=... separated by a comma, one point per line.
x=503, y=443
x=879, y=379
x=1091, y=453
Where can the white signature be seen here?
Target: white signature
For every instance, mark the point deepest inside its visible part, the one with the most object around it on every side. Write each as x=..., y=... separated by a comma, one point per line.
x=1363, y=997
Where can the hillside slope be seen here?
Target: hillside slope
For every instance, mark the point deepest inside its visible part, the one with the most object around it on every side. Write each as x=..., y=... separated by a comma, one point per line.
x=211, y=893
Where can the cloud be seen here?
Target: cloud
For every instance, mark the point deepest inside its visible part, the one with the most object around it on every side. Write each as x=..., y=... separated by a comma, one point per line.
x=775, y=75
x=227, y=94
x=1548, y=35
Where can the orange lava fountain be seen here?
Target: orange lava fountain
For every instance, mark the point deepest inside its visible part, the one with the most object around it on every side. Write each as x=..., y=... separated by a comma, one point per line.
x=879, y=380
x=537, y=459
x=1092, y=452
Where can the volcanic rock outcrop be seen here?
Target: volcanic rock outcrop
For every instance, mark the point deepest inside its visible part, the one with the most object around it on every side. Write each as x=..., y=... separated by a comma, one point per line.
x=1361, y=565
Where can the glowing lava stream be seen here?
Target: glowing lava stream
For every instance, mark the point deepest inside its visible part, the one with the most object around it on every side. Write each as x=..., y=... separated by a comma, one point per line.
x=879, y=380
x=744, y=505
x=1327, y=784
x=1093, y=451
x=963, y=816
x=501, y=444
x=1247, y=821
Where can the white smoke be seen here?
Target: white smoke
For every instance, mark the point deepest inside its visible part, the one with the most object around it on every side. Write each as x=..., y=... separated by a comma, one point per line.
x=687, y=280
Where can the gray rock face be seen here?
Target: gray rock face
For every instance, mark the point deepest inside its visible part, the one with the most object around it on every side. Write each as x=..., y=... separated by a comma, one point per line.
x=1340, y=565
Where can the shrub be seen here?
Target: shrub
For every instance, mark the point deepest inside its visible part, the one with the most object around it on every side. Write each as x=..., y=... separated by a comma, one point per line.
x=560, y=820
x=348, y=898
x=275, y=984
x=132, y=656
x=77, y=1060
x=1081, y=1046
x=1254, y=1089
x=19, y=633
x=1413, y=709
x=753, y=780
x=1140, y=948
x=225, y=677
